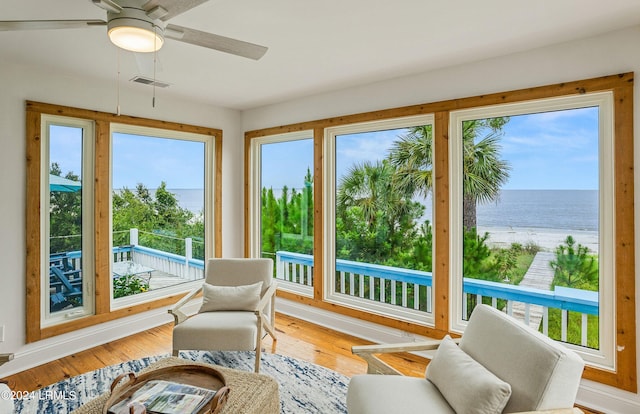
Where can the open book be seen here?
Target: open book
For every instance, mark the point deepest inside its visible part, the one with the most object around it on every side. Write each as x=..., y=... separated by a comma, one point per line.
x=166, y=397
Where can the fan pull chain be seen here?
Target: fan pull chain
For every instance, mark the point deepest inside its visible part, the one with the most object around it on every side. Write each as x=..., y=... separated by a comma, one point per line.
x=118, y=86
x=155, y=58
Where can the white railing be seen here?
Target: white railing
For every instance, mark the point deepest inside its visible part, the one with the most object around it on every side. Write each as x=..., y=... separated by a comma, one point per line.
x=411, y=289
x=294, y=268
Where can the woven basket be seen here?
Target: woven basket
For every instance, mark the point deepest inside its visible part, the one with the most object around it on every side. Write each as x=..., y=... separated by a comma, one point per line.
x=196, y=375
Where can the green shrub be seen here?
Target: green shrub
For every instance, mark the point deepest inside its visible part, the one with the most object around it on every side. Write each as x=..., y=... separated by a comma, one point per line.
x=128, y=285
x=574, y=267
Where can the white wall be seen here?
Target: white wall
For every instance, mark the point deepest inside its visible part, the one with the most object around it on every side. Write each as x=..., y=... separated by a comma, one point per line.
x=20, y=83
x=609, y=54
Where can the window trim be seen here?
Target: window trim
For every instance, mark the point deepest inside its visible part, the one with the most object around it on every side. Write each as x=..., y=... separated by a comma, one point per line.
x=255, y=200
x=87, y=126
x=101, y=241
x=605, y=356
x=622, y=86
x=329, y=231
x=119, y=128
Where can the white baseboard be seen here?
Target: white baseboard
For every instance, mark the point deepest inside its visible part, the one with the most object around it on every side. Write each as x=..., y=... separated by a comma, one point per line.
x=607, y=399
x=593, y=395
x=348, y=325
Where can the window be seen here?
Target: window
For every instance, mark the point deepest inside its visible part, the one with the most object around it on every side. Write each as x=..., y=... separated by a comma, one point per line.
x=158, y=211
x=99, y=252
x=66, y=146
x=379, y=217
x=282, y=207
x=598, y=158
x=533, y=200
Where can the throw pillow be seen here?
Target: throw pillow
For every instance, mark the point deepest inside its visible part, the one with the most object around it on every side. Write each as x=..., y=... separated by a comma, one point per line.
x=467, y=386
x=230, y=298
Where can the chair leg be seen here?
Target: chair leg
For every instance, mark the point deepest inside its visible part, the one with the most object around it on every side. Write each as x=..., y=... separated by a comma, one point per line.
x=257, y=367
x=175, y=352
x=258, y=344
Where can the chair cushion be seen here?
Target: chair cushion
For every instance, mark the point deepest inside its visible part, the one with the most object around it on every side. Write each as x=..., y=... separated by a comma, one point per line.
x=467, y=386
x=239, y=271
x=542, y=373
x=230, y=298
x=221, y=331
x=394, y=394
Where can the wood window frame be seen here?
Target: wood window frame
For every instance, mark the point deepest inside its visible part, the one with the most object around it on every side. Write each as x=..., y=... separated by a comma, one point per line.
x=101, y=215
x=621, y=85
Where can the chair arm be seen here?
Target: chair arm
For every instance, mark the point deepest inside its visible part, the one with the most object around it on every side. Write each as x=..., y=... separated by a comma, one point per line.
x=376, y=366
x=264, y=300
x=427, y=345
x=573, y=410
x=178, y=315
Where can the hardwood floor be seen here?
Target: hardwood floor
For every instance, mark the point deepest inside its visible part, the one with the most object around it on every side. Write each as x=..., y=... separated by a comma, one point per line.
x=296, y=338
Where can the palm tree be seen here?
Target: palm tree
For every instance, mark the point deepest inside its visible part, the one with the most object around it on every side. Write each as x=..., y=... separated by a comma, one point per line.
x=384, y=209
x=412, y=155
x=484, y=171
x=364, y=186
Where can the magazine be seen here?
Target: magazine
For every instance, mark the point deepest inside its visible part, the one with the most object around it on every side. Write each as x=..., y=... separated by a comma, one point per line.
x=166, y=397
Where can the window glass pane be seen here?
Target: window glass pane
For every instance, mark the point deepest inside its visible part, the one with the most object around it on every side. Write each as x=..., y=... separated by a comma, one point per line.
x=287, y=208
x=157, y=212
x=531, y=219
x=65, y=281
x=383, y=217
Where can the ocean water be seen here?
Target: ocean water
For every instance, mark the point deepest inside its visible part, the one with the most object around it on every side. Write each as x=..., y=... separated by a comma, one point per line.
x=546, y=209
x=539, y=209
x=543, y=209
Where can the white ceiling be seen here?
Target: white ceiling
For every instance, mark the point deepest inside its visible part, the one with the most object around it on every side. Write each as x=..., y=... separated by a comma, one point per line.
x=314, y=45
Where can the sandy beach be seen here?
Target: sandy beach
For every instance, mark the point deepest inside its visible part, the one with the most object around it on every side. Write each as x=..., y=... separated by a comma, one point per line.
x=548, y=239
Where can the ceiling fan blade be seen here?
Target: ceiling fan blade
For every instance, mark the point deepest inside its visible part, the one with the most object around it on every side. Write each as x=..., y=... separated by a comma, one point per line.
x=171, y=7
x=108, y=5
x=213, y=41
x=48, y=24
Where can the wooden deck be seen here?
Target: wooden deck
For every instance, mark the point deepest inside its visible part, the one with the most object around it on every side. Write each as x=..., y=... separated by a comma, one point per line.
x=161, y=279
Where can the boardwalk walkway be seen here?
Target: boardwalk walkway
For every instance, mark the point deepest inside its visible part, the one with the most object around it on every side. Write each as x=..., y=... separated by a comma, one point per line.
x=539, y=276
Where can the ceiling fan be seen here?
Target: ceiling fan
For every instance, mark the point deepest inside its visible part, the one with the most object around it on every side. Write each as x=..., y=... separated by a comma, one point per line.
x=141, y=26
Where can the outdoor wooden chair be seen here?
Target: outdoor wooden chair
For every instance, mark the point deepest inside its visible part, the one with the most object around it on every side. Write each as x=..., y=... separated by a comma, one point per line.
x=64, y=291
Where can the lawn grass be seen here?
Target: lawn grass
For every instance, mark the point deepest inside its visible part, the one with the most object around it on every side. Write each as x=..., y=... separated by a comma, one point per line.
x=574, y=329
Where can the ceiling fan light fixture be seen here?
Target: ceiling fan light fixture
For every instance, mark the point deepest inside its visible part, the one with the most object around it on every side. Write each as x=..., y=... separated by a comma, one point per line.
x=135, y=35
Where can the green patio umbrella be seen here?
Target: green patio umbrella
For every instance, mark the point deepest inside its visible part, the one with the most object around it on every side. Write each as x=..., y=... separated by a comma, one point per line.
x=63, y=185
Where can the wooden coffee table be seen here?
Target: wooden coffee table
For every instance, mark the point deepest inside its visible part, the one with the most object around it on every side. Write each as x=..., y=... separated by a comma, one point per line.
x=250, y=393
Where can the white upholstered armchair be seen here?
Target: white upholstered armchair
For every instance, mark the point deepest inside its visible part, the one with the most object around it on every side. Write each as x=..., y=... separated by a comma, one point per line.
x=500, y=365
x=238, y=303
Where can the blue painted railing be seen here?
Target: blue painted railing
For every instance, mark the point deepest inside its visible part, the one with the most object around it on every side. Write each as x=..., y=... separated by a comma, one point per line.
x=185, y=267
x=373, y=282
x=575, y=300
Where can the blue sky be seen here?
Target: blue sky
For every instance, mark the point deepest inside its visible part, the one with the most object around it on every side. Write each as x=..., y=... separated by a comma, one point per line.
x=148, y=160
x=554, y=150
x=286, y=163
x=137, y=159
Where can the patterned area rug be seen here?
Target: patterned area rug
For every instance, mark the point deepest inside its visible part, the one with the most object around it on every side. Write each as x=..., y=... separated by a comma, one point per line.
x=304, y=387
